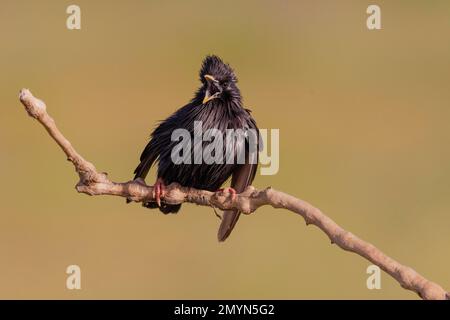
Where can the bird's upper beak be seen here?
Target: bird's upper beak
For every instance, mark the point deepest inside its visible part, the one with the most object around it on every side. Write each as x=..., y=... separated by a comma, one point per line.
x=212, y=90
x=210, y=78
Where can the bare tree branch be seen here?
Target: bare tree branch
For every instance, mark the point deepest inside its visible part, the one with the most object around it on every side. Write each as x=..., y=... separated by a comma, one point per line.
x=94, y=183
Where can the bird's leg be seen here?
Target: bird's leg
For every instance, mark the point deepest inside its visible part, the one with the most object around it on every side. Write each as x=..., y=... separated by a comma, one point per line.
x=158, y=191
x=229, y=190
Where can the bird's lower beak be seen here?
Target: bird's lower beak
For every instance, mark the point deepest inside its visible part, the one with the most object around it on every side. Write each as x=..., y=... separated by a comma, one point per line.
x=212, y=82
x=207, y=97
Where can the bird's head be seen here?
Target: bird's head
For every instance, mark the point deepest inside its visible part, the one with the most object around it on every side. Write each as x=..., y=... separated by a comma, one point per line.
x=218, y=81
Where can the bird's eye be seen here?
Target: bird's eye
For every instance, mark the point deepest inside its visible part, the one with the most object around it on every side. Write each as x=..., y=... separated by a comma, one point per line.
x=225, y=84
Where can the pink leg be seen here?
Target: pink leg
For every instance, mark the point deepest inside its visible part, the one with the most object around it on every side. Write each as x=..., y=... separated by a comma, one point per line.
x=159, y=189
x=229, y=190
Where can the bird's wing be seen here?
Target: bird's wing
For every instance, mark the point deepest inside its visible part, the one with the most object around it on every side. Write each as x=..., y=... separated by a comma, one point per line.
x=148, y=157
x=160, y=140
x=242, y=177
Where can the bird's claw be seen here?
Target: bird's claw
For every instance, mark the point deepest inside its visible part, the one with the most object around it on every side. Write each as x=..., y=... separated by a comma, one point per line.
x=229, y=190
x=158, y=191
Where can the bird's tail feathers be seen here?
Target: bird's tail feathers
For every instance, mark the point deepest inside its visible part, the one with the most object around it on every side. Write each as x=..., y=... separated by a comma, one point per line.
x=229, y=220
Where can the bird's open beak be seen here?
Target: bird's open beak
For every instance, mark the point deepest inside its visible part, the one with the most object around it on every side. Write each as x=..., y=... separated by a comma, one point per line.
x=208, y=96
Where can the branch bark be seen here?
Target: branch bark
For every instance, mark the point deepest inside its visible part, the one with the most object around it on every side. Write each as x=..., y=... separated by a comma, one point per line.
x=93, y=183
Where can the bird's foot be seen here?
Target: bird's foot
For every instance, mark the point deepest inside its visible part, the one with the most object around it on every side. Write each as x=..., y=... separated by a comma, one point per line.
x=159, y=190
x=228, y=190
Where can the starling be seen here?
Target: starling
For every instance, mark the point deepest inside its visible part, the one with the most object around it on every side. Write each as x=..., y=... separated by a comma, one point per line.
x=217, y=105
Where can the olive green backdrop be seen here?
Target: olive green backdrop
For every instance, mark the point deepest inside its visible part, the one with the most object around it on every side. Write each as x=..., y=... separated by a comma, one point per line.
x=363, y=118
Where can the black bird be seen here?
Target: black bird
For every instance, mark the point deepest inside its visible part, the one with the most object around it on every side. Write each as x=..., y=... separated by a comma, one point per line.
x=218, y=105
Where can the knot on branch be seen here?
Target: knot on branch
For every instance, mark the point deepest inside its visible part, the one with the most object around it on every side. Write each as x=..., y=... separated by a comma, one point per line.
x=89, y=177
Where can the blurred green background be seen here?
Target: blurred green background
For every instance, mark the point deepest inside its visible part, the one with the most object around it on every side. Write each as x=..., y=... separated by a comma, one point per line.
x=363, y=118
